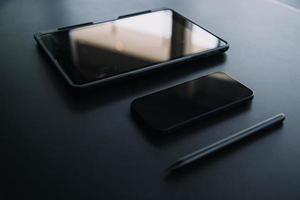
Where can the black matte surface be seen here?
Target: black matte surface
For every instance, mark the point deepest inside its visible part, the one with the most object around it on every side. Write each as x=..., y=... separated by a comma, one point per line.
x=56, y=144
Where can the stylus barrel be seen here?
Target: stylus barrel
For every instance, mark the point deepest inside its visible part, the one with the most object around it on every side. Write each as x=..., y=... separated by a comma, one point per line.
x=198, y=154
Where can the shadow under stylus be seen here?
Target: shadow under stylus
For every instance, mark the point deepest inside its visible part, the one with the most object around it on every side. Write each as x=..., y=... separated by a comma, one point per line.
x=210, y=159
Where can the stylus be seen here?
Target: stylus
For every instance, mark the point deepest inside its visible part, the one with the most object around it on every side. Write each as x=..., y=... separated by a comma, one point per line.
x=200, y=153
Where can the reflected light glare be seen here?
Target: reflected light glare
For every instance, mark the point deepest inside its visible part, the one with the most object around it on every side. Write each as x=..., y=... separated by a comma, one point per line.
x=126, y=44
x=119, y=46
x=158, y=24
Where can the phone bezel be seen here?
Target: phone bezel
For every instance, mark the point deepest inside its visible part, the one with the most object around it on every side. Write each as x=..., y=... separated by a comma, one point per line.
x=173, y=128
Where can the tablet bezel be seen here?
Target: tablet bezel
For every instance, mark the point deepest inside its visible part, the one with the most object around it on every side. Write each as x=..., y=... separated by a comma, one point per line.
x=97, y=82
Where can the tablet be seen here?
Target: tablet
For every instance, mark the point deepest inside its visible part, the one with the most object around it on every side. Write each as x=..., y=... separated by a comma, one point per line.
x=94, y=53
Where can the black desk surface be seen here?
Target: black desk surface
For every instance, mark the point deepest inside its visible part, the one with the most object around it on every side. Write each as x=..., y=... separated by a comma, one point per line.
x=56, y=144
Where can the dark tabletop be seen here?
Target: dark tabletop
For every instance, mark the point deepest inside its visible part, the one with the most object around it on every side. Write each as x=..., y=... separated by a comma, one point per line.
x=56, y=143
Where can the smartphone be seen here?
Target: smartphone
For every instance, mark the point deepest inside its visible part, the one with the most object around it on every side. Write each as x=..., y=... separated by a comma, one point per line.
x=174, y=107
x=94, y=53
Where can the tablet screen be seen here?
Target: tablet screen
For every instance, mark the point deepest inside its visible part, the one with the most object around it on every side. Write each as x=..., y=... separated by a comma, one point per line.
x=112, y=48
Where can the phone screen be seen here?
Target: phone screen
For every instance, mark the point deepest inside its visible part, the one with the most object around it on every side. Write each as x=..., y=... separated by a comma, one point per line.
x=170, y=108
x=111, y=48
